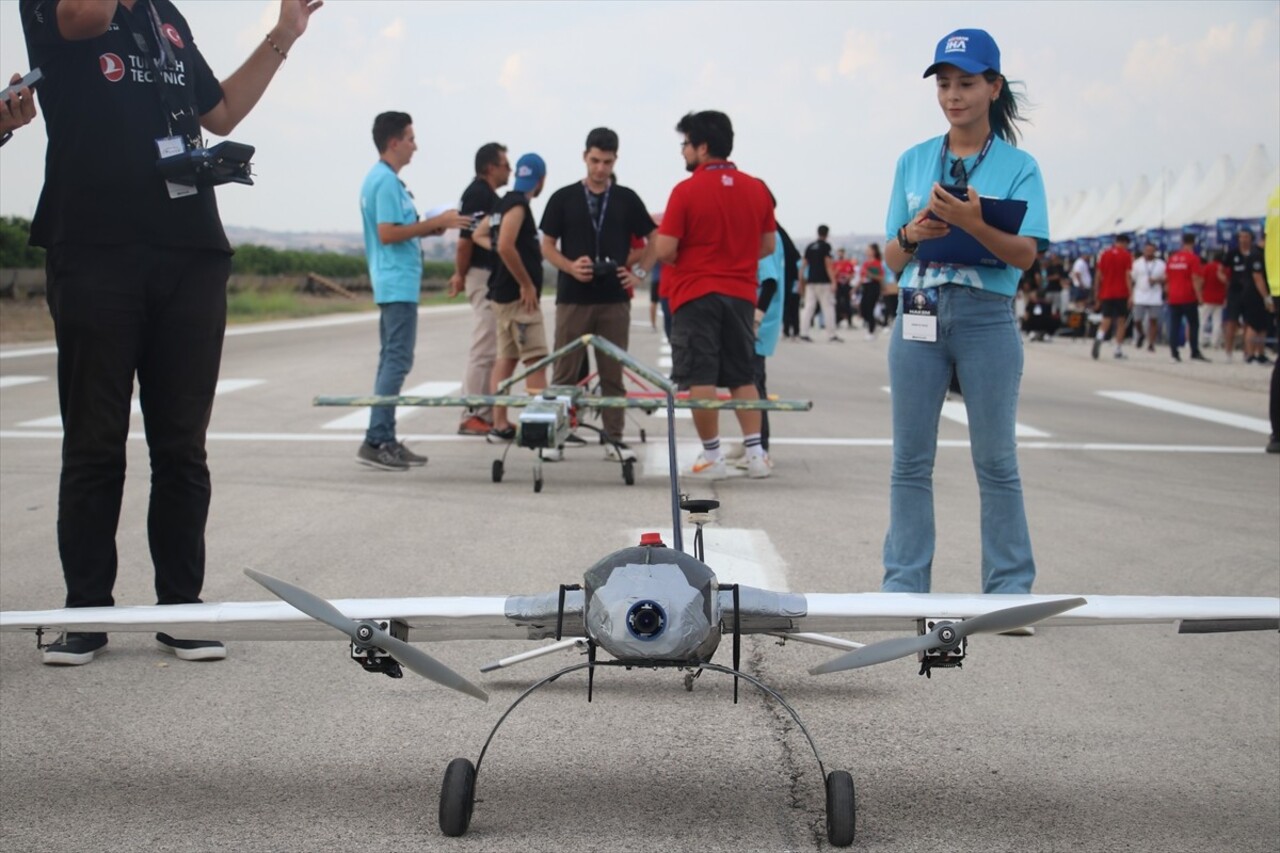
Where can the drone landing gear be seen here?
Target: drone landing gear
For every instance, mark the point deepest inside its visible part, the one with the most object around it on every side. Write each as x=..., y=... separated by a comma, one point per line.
x=457, y=793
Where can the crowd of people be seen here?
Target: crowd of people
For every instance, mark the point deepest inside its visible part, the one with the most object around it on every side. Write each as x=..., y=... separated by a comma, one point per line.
x=1185, y=298
x=139, y=290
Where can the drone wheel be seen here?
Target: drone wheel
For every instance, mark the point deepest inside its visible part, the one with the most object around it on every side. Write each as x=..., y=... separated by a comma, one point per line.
x=629, y=472
x=497, y=470
x=643, y=437
x=457, y=797
x=537, y=484
x=840, y=808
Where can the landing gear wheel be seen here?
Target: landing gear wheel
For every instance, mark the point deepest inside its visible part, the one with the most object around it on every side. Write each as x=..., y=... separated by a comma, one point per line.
x=629, y=472
x=643, y=437
x=840, y=808
x=537, y=484
x=458, y=797
x=497, y=470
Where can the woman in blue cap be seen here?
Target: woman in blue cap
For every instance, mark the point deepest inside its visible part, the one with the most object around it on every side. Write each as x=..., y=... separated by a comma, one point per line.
x=960, y=317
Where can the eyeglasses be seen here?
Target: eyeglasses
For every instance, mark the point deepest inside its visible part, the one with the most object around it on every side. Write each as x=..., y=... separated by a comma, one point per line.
x=686, y=144
x=959, y=174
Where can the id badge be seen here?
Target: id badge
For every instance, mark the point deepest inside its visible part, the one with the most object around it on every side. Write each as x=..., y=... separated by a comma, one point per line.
x=169, y=146
x=920, y=314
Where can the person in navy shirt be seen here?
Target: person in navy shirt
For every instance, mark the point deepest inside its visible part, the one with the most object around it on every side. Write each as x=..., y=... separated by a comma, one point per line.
x=960, y=318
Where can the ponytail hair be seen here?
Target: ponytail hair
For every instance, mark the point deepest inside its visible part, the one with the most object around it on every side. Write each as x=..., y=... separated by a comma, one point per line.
x=1008, y=107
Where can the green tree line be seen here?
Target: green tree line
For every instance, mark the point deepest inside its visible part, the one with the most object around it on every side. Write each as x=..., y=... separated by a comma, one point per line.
x=248, y=260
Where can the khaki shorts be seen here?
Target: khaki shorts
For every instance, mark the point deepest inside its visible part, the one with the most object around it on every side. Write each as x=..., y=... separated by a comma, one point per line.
x=521, y=333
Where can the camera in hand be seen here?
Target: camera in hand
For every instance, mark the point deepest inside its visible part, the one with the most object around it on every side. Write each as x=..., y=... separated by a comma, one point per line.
x=224, y=163
x=606, y=267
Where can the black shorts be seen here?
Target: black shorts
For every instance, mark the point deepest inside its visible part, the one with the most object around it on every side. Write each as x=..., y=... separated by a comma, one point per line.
x=1253, y=310
x=713, y=342
x=1115, y=308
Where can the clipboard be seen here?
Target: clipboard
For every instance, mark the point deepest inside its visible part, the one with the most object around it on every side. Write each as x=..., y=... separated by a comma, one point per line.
x=960, y=249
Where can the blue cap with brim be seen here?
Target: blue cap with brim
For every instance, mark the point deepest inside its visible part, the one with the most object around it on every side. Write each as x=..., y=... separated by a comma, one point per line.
x=972, y=51
x=529, y=170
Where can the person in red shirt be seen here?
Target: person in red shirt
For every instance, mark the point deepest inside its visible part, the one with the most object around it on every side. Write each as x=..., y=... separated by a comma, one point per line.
x=1115, y=292
x=1185, y=278
x=716, y=227
x=1212, y=297
x=844, y=270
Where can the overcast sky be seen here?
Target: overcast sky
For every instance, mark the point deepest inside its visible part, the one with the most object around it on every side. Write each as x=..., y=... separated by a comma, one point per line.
x=823, y=95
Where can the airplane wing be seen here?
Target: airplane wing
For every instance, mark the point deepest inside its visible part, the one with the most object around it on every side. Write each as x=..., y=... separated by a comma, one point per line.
x=438, y=618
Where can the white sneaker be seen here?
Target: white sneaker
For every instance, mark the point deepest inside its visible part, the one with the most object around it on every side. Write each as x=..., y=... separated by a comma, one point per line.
x=554, y=455
x=619, y=452
x=758, y=467
x=704, y=469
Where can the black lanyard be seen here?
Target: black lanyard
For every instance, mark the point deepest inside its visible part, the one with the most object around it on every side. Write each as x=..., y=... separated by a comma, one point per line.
x=961, y=180
x=598, y=223
x=161, y=60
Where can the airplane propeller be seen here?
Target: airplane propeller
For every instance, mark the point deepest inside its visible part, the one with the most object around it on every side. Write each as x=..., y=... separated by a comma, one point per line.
x=947, y=635
x=367, y=633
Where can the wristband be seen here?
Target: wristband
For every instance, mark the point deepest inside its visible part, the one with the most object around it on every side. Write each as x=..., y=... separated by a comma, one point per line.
x=905, y=244
x=276, y=47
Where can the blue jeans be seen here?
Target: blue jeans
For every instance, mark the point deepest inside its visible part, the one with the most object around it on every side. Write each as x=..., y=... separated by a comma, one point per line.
x=398, y=333
x=978, y=338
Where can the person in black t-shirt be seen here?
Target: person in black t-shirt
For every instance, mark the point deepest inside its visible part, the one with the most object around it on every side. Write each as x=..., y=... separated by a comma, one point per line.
x=516, y=286
x=1247, y=300
x=586, y=234
x=137, y=273
x=473, y=265
x=815, y=286
x=790, y=277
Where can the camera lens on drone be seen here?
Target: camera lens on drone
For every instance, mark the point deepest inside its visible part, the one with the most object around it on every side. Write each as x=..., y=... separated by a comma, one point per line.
x=646, y=619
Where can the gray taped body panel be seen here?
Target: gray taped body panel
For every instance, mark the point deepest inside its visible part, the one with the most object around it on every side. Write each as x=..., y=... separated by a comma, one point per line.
x=539, y=613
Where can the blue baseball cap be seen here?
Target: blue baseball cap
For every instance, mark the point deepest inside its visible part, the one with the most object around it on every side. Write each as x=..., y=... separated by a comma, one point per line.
x=972, y=51
x=529, y=170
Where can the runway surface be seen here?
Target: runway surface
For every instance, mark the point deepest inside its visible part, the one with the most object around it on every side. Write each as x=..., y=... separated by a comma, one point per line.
x=1140, y=476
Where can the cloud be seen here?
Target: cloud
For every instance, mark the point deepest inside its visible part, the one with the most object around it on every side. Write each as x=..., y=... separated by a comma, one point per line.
x=511, y=77
x=394, y=31
x=1152, y=61
x=860, y=51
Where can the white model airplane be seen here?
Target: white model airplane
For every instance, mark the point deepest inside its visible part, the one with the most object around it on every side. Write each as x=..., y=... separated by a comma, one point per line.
x=647, y=606
x=547, y=418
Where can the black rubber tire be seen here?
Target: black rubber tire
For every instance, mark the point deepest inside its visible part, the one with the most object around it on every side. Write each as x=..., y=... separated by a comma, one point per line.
x=457, y=797
x=643, y=437
x=629, y=472
x=841, y=808
x=537, y=484
x=497, y=470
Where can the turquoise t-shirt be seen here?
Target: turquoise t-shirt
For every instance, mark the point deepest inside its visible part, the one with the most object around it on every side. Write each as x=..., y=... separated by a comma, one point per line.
x=771, y=326
x=1006, y=172
x=394, y=268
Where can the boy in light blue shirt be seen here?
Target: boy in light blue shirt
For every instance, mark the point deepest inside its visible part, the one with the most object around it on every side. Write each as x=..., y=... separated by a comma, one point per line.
x=391, y=234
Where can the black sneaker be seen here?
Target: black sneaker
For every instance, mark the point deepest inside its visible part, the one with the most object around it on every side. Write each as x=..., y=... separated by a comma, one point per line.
x=1273, y=446
x=1176, y=357
x=385, y=457
x=74, y=649
x=1097, y=348
x=409, y=456
x=504, y=434
x=192, y=649
x=575, y=440
x=1195, y=356
x=1261, y=359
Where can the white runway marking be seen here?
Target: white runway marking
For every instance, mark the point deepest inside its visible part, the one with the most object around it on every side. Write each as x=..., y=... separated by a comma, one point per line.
x=736, y=555
x=1189, y=410
x=359, y=418
x=955, y=411
x=224, y=386
x=15, y=381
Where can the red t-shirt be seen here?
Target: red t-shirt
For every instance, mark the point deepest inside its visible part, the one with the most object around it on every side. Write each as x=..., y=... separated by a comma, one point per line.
x=844, y=271
x=718, y=214
x=870, y=266
x=1214, y=291
x=1182, y=265
x=1113, y=273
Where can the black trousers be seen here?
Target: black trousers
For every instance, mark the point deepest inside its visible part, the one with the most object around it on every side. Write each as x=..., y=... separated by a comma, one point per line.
x=791, y=315
x=760, y=378
x=1190, y=312
x=158, y=314
x=867, y=305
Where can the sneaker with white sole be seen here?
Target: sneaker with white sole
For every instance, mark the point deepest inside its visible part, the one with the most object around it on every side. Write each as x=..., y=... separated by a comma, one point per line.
x=758, y=467
x=618, y=451
x=385, y=457
x=73, y=649
x=192, y=649
x=704, y=469
x=555, y=454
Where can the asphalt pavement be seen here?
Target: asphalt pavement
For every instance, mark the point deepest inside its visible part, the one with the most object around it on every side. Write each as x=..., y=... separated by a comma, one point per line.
x=1141, y=476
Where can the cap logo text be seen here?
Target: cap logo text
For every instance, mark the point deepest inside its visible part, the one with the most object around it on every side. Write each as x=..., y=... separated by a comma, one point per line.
x=956, y=44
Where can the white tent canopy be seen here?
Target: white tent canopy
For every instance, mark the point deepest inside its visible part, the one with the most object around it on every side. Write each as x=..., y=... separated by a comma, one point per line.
x=1170, y=200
